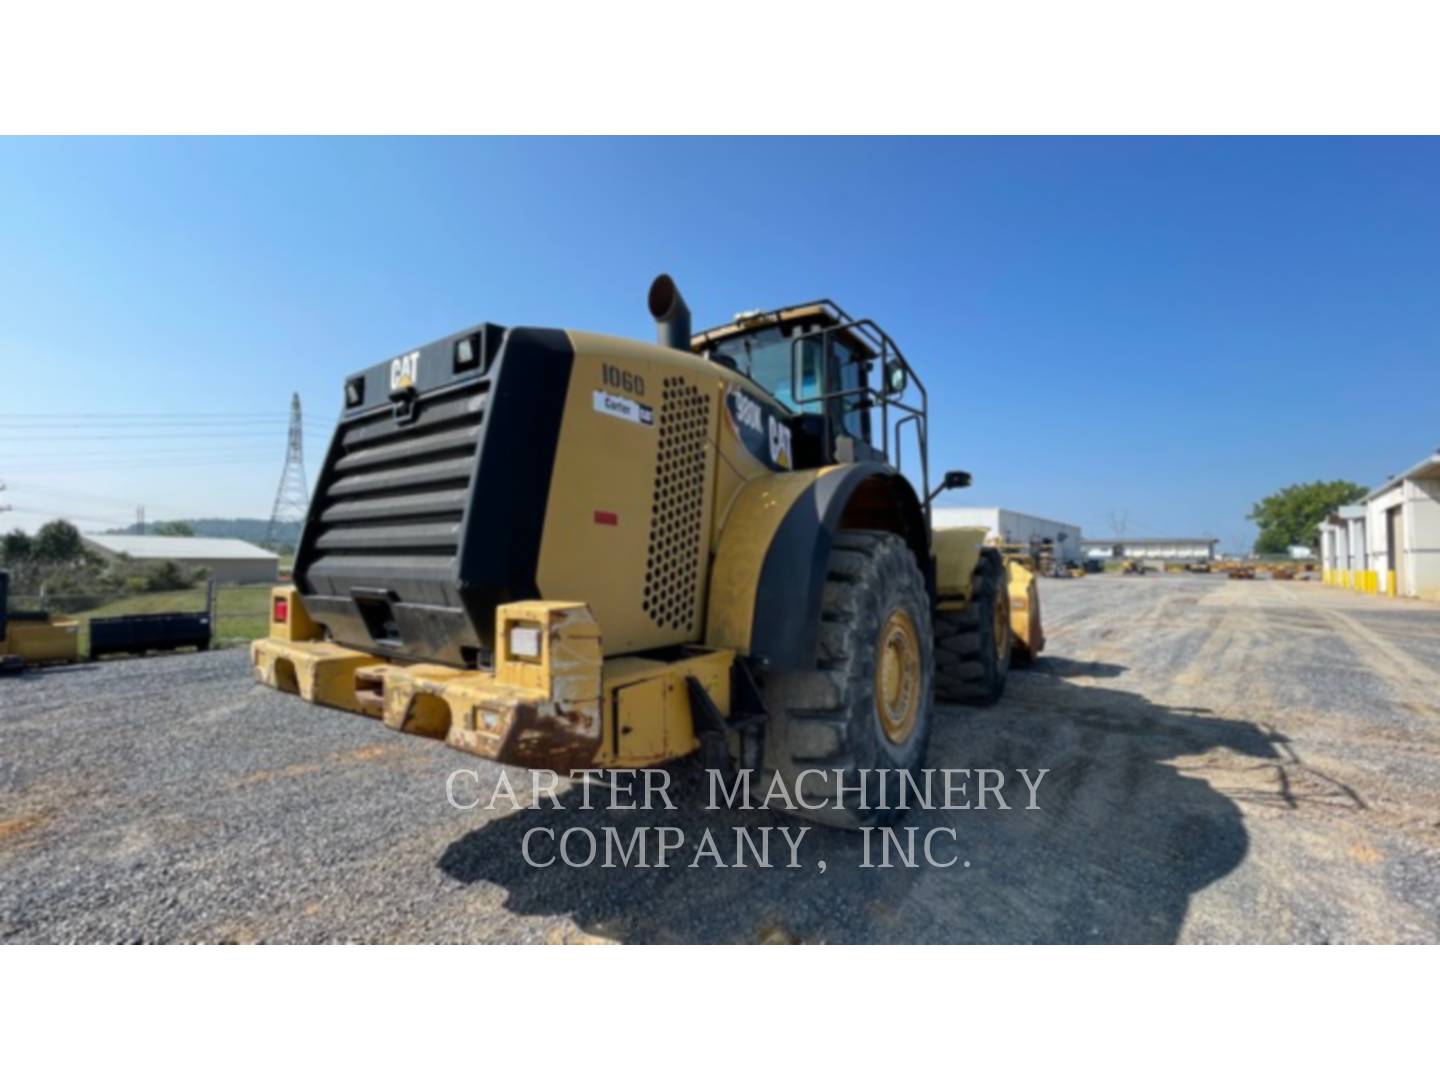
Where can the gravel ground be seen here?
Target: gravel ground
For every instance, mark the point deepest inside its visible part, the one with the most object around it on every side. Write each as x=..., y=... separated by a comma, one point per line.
x=1230, y=761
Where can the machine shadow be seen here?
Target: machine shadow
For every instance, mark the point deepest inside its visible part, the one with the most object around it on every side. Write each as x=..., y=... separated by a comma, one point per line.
x=1121, y=840
x=1062, y=667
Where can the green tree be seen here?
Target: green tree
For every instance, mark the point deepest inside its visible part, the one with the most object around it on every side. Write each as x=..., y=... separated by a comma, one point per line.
x=166, y=576
x=58, y=542
x=15, y=547
x=173, y=528
x=1293, y=514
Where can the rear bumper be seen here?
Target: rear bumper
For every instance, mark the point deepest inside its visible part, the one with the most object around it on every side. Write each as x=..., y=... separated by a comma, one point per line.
x=544, y=711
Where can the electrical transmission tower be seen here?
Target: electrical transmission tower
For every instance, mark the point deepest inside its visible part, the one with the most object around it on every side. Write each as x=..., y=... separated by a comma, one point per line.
x=292, y=501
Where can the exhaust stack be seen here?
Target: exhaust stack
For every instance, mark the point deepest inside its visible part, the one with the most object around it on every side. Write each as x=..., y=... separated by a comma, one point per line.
x=672, y=317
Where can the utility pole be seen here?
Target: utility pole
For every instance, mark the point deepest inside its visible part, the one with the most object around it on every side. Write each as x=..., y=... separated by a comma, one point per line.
x=292, y=500
x=140, y=520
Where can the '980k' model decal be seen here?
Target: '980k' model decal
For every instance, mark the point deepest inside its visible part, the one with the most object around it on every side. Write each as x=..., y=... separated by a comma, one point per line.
x=759, y=429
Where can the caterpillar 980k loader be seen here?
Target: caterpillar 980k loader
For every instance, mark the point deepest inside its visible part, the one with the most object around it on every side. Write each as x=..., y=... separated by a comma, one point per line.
x=562, y=550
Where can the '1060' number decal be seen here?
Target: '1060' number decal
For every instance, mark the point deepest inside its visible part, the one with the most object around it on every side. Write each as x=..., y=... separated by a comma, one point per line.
x=622, y=380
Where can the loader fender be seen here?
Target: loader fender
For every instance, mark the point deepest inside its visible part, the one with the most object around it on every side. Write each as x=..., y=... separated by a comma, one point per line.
x=957, y=554
x=769, y=575
x=1025, y=625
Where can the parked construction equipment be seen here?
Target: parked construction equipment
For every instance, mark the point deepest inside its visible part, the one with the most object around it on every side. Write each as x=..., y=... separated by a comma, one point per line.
x=34, y=637
x=154, y=632
x=565, y=550
x=29, y=638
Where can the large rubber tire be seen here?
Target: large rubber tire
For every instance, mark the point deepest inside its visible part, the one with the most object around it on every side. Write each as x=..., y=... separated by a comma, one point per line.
x=973, y=646
x=874, y=602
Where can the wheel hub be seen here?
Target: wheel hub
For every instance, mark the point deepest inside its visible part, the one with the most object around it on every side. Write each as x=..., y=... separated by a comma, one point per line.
x=897, y=677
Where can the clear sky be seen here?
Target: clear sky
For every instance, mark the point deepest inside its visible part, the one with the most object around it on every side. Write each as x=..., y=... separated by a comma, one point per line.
x=1168, y=329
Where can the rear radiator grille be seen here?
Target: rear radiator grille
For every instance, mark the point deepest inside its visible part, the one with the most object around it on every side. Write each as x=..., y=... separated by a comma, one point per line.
x=401, y=489
x=673, y=565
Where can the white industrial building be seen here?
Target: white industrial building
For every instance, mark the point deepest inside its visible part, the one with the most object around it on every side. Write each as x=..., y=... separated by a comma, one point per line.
x=1175, y=549
x=1389, y=542
x=1013, y=527
x=228, y=562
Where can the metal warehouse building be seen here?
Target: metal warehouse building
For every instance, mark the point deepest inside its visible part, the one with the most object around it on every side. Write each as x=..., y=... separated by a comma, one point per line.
x=1389, y=542
x=1013, y=527
x=229, y=562
x=1193, y=549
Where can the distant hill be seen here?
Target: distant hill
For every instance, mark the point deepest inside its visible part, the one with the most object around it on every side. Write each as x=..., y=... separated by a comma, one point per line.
x=251, y=529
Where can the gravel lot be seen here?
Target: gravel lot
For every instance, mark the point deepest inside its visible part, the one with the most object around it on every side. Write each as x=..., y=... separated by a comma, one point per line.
x=1231, y=761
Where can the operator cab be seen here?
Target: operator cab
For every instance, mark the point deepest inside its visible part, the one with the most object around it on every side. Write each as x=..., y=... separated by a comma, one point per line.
x=834, y=374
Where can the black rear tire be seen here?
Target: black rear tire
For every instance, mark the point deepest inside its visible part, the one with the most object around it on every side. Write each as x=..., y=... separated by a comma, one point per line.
x=973, y=646
x=841, y=719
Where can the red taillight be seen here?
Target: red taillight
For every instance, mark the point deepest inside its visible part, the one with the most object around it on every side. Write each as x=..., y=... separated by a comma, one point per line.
x=282, y=609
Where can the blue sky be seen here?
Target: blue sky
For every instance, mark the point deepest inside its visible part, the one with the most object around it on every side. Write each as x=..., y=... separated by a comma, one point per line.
x=1165, y=328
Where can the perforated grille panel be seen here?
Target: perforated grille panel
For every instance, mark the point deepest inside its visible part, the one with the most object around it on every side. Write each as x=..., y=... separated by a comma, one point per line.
x=673, y=567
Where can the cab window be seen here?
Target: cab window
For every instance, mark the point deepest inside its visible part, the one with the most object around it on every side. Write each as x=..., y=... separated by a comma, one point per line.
x=850, y=376
x=765, y=356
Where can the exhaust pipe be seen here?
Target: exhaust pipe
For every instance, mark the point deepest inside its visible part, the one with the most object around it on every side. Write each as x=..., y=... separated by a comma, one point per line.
x=672, y=317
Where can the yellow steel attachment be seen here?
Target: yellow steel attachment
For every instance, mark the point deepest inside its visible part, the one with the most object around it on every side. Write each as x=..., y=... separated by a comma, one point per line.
x=318, y=671
x=552, y=701
x=957, y=553
x=1024, y=603
x=897, y=677
x=47, y=641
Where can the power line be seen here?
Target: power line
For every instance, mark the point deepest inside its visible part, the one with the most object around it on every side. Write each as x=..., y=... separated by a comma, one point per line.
x=40, y=454
x=45, y=490
x=51, y=511
x=181, y=426
x=187, y=419
x=68, y=434
x=142, y=454
x=186, y=463
x=268, y=413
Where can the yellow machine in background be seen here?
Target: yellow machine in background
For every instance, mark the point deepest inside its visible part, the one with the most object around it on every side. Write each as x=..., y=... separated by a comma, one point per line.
x=34, y=637
x=565, y=550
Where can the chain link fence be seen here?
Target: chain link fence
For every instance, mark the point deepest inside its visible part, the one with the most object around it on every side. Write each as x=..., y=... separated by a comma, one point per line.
x=241, y=612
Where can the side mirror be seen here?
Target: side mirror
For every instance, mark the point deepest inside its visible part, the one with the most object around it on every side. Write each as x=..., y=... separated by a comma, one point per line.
x=955, y=478
x=896, y=378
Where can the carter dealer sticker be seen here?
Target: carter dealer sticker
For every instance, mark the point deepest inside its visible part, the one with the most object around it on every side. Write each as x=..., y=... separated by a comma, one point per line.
x=622, y=408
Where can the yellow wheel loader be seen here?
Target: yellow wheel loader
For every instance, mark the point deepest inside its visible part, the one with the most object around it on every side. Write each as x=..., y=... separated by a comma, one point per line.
x=563, y=550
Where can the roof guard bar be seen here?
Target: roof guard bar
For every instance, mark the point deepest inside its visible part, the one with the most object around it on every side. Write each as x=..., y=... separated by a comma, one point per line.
x=866, y=396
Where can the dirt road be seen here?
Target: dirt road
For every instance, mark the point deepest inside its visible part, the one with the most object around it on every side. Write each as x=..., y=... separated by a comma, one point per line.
x=1230, y=761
